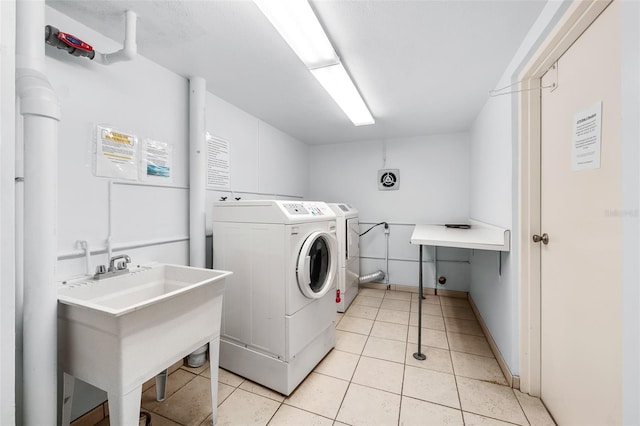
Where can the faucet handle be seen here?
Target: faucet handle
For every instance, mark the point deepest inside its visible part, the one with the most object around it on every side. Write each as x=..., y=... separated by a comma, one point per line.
x=101, y=269
x=122, y=265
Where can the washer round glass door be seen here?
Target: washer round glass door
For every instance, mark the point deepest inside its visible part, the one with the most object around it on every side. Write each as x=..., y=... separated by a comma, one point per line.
x=316, y=267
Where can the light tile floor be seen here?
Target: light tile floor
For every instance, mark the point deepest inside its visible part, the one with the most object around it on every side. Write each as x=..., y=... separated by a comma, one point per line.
x=371, y=377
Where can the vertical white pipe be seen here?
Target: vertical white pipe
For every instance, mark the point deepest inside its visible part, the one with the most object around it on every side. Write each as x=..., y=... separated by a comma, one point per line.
x=129, y=44
x=386, y=255
x=30, y=34
x=84, y=245
x=19, y=258
x=41, y=113
x=197, y=171
x=40, y=296
x=110, y=222
x=435, y=269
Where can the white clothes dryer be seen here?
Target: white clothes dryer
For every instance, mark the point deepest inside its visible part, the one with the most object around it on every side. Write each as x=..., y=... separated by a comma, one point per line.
x=278, y=317
x=348, y=235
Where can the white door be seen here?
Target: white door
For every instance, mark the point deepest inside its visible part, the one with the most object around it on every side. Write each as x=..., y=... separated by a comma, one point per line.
x=581, y=345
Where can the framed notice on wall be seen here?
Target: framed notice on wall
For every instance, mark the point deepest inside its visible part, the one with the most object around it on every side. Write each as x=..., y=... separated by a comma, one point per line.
x=218, y=162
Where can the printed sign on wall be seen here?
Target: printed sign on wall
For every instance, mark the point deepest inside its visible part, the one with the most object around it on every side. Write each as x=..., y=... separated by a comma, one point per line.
x=218, y=163
x=116, y=154
x=156, y=160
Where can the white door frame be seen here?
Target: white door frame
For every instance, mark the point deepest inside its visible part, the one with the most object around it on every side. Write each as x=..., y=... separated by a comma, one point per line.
x=7, y=213
x=573, y=23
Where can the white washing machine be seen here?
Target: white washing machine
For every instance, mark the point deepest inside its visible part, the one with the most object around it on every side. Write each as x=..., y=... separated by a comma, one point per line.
x=278, y=317
x=348, y=235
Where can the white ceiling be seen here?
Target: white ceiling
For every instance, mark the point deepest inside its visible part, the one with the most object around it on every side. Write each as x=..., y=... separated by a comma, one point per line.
x=423, y=67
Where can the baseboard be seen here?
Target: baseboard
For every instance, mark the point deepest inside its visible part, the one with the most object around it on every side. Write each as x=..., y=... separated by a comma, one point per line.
x=453, y=293
x=512, y=380
x=374, y=285
x=413, y=289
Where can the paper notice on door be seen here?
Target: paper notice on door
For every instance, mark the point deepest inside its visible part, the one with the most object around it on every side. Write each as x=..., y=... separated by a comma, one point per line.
x=587, y=127
x=218, y=164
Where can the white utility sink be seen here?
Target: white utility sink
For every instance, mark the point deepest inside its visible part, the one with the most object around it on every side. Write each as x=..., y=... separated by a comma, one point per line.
x=116, y=333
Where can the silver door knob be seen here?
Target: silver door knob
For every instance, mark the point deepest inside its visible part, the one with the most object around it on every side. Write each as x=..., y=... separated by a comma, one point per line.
x=544, y=238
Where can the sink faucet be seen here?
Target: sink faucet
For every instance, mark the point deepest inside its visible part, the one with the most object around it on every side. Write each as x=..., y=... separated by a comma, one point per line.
x=117, y=266
x=120, y=266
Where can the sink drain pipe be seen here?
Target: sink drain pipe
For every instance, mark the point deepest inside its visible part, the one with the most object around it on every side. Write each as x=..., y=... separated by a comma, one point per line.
x=40, y=111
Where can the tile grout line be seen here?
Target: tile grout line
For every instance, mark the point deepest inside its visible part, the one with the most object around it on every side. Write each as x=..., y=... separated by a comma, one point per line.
x=404, y=372
x=275, y=412
x=521, y=407
x=172, y=420
x=350, y=381
x=173, y=393
x=301, y=409
x=455, y=376
x=462, y=411
x=235, y=388
x=406, y=349
x=360, y=355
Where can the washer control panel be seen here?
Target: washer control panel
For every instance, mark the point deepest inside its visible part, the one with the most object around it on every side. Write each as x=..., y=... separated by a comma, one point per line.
x=295, y=208
x=307, y=208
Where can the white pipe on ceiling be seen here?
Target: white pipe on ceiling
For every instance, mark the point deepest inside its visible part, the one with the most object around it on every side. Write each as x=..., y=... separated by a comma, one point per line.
x=40, y=111
x=129, y=46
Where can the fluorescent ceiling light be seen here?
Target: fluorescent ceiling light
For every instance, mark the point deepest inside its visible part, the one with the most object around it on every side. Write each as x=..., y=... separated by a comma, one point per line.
x=299, y=26
x=336, y=81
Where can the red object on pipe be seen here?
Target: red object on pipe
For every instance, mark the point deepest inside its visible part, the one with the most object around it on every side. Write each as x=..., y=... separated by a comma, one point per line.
x=74, y=41
x=68, y=42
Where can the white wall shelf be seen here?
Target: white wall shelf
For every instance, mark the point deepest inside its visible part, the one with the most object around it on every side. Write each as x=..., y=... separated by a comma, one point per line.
x=481, y=236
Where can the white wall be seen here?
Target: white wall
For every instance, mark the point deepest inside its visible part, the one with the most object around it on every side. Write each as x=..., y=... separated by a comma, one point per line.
x=265, y=163
x=496, y=296
x=630, y=49
x=139, y=97
x=7, y=223
x=434, y=188
x=490, y=167
x=145, y=99
x=494, y=172
x=494, y=200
